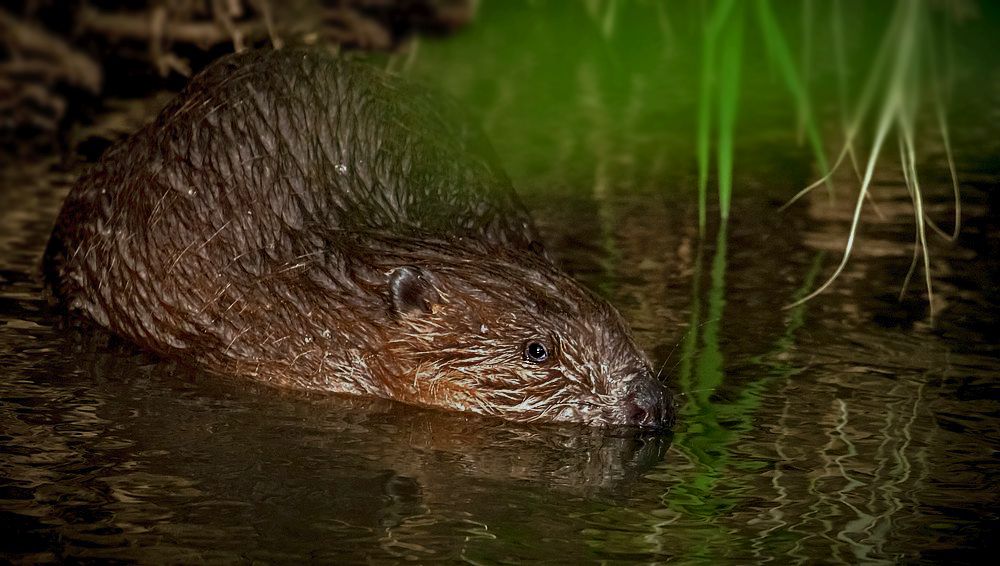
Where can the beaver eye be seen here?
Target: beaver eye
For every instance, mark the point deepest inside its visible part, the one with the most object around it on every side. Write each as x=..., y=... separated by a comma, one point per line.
x=536, y=352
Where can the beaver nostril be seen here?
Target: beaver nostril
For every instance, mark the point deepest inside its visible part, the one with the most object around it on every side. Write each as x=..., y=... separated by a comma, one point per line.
x=634, y=414
x=648, y=404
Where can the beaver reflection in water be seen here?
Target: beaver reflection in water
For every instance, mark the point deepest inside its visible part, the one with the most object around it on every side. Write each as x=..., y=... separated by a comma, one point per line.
x=316, y=223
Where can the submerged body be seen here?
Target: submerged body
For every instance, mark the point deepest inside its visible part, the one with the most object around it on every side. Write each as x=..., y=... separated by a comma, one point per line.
x=316, y=223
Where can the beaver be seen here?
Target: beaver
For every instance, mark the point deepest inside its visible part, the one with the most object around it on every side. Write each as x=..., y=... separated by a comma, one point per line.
x=314, y=222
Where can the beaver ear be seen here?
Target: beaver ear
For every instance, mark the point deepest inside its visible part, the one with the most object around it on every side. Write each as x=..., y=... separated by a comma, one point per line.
x=412, y=291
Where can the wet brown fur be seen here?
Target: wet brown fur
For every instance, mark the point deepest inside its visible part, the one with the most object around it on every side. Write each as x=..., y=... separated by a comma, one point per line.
x=255, y=229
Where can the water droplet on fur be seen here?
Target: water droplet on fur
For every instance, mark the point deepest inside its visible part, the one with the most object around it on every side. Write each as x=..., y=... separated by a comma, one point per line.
x=326, y=333
x=341, y=168
x=482, y=329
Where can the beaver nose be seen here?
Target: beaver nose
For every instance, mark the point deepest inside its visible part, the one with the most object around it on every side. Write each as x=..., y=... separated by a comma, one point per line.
x=649, y=404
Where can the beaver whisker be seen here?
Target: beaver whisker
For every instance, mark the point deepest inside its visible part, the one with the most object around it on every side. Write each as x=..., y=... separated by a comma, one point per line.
x=684, y=335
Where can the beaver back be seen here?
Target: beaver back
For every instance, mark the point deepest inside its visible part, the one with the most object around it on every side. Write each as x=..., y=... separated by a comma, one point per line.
x=264, y=148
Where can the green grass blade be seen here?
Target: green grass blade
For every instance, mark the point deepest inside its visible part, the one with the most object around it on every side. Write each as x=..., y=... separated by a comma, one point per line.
x=710, y=39
x=939, y=87
x=806, y=59
x=919, y=214
x=704, y=125
x=916, y=233
x=782, y=57
x=843, y=77
x=883, y=130
x=729, y=89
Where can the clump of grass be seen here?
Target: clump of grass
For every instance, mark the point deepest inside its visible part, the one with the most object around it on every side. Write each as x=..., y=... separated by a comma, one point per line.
x=895, y=82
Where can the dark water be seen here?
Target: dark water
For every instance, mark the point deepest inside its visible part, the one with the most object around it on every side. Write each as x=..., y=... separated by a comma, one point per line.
x=846, y=430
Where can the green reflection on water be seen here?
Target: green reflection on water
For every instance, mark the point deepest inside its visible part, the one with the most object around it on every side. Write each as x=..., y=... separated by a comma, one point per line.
x=602, y=98
x=715, y=426
x=573, y=94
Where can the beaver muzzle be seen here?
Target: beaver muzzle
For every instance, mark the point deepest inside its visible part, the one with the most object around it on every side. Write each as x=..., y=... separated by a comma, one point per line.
x=648, y=404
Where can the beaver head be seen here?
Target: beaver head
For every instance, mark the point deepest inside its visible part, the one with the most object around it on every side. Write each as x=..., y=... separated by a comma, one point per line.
x=501, y=331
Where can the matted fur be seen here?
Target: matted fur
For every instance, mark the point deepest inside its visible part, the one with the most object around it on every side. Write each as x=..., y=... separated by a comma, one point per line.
x=255, y=226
